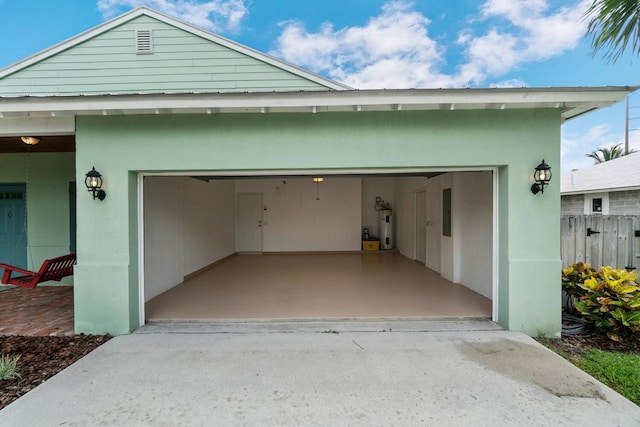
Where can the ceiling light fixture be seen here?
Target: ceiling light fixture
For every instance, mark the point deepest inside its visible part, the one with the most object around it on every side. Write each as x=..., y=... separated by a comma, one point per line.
x=30, y=140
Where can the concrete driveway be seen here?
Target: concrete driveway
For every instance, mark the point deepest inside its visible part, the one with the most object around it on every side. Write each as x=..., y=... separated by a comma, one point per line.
x=445, y=373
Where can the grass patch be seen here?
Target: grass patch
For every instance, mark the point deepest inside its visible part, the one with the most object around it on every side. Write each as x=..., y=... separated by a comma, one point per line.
x=9, y=367
x=620, y=371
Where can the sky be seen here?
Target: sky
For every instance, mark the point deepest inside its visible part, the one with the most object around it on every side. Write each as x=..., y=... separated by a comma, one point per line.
x=385, y=44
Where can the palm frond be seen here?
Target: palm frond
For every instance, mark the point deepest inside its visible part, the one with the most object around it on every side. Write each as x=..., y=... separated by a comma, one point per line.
x=614, y=26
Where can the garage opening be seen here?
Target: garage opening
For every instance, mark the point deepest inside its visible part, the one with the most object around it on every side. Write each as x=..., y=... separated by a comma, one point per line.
x=401, y=245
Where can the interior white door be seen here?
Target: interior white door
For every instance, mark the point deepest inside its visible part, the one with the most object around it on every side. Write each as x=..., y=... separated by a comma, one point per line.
x=434, y=227
x=421, y=226
x=249, y=229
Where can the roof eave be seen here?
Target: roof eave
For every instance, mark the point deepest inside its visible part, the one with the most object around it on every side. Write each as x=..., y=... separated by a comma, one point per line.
x=567, y=100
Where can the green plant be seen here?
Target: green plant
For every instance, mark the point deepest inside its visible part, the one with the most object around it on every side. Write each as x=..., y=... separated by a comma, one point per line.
x=615, y=27
x=608, y=299
x=9, y=367
x=575, y=274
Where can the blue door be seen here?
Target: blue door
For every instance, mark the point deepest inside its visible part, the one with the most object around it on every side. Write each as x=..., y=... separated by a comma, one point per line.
x=13, y=232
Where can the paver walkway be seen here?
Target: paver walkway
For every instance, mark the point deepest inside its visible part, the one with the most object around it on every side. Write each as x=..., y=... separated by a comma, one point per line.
x=45, y=310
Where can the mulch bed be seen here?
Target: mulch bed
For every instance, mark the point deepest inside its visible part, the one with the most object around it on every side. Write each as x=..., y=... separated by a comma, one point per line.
x=41, y=358
x=581, y=344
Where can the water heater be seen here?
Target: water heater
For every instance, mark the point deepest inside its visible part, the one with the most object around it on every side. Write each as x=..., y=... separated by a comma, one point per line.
x=386, y=229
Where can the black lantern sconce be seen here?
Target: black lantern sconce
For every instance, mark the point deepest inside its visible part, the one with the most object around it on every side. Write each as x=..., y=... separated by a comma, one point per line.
x=542, y=176
x=93, y=181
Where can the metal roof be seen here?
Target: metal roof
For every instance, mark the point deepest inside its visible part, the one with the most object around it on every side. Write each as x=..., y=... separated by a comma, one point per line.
x=570, y=102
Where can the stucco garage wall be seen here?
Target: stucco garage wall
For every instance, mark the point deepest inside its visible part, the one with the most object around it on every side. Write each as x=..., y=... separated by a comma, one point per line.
x=295, y=221
x=47, y=201
x=515, y=141
x=189, y=224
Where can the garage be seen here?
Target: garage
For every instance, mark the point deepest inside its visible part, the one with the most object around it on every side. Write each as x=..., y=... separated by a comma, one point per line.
x=207, y=151
x=290, y=246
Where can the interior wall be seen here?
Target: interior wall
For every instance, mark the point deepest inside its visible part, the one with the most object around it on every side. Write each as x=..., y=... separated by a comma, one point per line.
x=434, y=223
x=447, y=253
x=473, y=238
x=331, y=223
x=466, y=256
x=404, y=213
x=373, y=187
x=163, y=235
x=189, y=224
x=209, y=222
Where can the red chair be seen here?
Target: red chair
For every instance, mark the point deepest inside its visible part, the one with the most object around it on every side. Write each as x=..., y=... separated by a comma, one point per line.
x=51, y=269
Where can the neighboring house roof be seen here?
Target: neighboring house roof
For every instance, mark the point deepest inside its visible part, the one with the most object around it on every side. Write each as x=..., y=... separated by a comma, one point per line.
x=618, y=174
x=144, y=51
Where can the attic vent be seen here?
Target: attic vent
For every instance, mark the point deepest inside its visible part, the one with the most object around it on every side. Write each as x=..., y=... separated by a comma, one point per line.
x=144, y=42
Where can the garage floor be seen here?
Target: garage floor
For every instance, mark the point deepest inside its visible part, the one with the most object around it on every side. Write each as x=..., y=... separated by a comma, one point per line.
x=313, y=286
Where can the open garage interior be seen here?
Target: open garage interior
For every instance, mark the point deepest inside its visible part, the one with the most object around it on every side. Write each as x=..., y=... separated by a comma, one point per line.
x=290, y=247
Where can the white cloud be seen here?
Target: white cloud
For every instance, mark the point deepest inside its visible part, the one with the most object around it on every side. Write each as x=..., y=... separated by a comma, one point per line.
x=391, y=50
x=213, y=15
x=540, y=34
x=395, y=49
x=510, y=83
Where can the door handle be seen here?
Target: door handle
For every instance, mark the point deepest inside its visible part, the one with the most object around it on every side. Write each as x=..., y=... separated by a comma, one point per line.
x=590, y=232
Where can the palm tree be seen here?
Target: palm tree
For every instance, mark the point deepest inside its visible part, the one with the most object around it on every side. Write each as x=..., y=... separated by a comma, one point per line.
x=614, y=24
x=605, y=154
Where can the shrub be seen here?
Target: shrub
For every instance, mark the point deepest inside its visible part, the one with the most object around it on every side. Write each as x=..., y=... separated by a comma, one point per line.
x=575, y=274
x=9, y=367
x=608, y=299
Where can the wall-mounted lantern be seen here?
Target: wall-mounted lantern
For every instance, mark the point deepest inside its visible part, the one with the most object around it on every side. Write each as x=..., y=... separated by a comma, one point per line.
x=93, y=181
x=542, y=176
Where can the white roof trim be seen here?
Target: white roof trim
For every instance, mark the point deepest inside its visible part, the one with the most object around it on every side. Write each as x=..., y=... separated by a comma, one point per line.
x=571, y=102
x=600, y=190
x=106, y=26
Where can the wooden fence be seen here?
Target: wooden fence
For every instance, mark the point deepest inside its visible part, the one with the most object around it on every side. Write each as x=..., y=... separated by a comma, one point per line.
x=612, y=240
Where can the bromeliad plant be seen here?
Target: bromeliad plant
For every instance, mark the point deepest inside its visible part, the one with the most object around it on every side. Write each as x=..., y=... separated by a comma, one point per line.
x=608, y=299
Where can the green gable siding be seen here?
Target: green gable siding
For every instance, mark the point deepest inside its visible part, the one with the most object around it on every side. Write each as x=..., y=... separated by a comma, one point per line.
x=180, y=62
